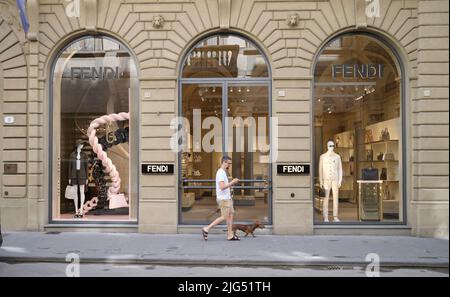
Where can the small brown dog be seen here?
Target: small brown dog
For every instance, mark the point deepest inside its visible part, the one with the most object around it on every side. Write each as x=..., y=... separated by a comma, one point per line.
x=247, y=229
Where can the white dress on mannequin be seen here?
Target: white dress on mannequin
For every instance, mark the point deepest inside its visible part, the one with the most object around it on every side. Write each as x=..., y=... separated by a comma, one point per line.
x=330, y=176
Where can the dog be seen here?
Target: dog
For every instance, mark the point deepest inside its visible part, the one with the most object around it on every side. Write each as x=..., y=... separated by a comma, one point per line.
x=247, y=228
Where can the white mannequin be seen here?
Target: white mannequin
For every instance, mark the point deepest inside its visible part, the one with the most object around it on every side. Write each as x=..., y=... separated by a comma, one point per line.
x=330, y=176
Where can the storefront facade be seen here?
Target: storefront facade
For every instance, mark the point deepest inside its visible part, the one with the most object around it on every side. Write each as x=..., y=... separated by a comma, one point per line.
x=137, y=101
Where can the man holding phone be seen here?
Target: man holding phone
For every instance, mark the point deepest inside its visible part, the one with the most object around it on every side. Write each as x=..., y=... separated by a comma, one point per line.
x=224, y=200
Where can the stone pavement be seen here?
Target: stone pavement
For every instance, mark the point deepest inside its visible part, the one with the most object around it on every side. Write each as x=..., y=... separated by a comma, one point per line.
x=190, y=249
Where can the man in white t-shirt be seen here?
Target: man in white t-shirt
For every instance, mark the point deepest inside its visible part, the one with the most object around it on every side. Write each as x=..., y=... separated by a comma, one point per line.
x=224, y=201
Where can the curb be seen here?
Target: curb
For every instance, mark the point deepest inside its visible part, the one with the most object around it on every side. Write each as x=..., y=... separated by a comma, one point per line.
x=234, y=263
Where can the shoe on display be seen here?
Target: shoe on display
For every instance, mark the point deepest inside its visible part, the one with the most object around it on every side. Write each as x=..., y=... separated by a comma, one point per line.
x=326, y=220
x=336, y=220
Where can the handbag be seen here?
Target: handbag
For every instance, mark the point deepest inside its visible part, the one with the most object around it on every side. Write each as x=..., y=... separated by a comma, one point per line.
x=370, y=174
x=117, y=201
x=368, y=136
x=385, y=134
x=321, y=191
x=388, y=156
x=380, y=157
x=369, y=155
x=71, y=192
x=383, y=175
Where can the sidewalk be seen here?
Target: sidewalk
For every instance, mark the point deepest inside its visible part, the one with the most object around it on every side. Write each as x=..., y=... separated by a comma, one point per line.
x=190, y=249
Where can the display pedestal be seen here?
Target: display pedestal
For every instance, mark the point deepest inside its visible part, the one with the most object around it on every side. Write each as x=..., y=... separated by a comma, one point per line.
x=370, y=206
x=188, y=200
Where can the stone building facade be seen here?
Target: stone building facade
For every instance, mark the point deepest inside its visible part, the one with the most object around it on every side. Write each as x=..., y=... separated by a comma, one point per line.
x=159, y=35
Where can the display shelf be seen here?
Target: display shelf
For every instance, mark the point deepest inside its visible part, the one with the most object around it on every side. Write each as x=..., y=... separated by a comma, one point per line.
x=378, y=161
x=379, y=142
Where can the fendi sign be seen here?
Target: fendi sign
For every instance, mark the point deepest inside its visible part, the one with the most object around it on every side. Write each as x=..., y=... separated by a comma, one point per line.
x=293, y=169
x=94, y=73
x=357, y=71
x=158, y=168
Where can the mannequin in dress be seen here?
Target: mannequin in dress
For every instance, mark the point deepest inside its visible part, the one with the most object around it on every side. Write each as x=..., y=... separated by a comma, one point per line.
x=330, y=176
x=78, y=175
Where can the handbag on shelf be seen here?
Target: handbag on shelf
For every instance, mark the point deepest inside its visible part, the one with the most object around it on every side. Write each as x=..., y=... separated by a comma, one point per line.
x=117, y=201
x=383, y=175
x=370, y=173
x=380, y=157
x=369, y=155
x=388, y=156
x=71, y=192
x=386, y=193
x=385, y=134
x=368, y=136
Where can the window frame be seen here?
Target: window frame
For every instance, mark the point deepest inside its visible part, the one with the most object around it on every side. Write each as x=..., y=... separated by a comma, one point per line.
x=133, y=109
x=224, y=81
x=403, y=169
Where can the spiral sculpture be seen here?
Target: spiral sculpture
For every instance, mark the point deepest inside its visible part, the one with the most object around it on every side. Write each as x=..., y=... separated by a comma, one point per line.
x=110, y=168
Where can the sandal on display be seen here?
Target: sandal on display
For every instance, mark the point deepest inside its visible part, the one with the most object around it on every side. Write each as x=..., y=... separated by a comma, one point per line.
x=205, y=234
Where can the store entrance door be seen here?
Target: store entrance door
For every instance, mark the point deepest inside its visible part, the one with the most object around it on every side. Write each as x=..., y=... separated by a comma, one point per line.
x=226, y=118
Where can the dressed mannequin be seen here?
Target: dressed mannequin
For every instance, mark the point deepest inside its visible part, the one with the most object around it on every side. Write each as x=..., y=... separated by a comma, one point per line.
x=330, y=176
x=78, y=175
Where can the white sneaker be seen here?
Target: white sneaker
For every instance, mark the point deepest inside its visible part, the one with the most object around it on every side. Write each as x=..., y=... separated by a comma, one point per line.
x=326, y=220
x=336, y=220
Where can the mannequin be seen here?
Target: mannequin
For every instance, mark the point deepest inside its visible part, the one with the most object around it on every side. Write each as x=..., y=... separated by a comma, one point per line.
x=78, y=175
x=330, y=176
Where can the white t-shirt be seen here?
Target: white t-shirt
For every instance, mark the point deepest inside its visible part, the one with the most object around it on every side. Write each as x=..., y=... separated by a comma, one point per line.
x=221, y=175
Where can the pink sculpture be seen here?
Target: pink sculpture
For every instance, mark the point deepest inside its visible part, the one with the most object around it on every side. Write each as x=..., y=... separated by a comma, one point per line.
x=110, y=168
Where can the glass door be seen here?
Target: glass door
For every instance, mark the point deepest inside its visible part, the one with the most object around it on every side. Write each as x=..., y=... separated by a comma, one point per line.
x=225, y=119
x=248, y=144
x=202, y=111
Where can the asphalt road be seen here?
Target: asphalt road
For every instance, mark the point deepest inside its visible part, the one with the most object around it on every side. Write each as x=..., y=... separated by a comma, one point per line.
x=110, y=270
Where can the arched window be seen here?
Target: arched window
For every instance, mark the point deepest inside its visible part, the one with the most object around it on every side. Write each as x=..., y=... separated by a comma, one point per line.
x=225, y=56
x=225, y=101
x=93, y=85
x=358, y=106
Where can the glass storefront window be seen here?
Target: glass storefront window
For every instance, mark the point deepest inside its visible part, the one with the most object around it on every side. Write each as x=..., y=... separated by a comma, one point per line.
x=357, y=132
x=93, y=77
x=225, y=56
x=227, y=113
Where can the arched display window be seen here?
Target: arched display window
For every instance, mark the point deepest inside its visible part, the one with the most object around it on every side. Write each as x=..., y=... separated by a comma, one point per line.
x=358, y=132
x=94, y=92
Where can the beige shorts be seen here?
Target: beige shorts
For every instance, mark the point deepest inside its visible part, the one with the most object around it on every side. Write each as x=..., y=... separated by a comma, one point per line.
x=226, y=207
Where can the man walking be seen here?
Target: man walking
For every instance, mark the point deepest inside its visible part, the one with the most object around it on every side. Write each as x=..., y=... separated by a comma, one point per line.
x=224, y=201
